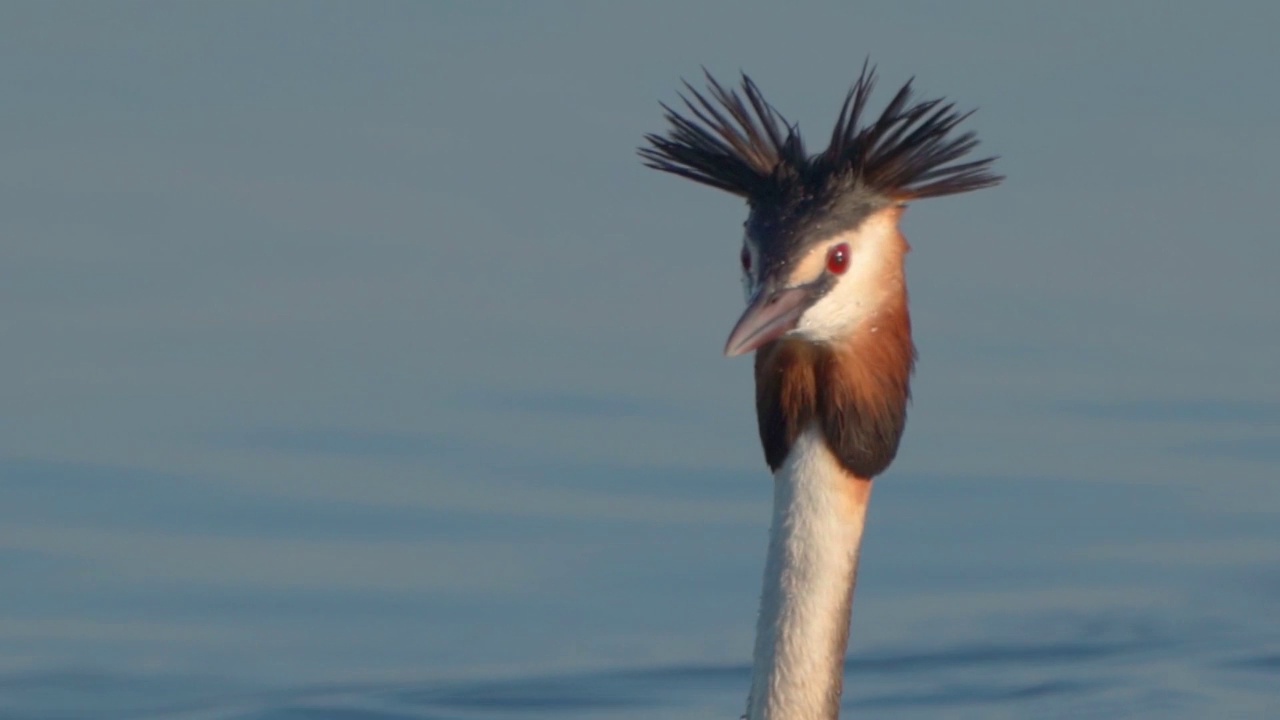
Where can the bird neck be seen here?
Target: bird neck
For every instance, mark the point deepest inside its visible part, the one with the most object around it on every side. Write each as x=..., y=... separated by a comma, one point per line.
x=803, y=629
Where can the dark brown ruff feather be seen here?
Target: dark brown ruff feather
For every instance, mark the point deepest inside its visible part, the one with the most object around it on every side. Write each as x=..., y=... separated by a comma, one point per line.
x=856, y=393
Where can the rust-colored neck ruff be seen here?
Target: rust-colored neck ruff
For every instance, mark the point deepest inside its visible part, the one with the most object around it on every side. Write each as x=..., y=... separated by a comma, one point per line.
x=856, y=392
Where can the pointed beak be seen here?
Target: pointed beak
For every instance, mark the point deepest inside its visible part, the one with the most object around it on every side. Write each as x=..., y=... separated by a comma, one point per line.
x=769, y=316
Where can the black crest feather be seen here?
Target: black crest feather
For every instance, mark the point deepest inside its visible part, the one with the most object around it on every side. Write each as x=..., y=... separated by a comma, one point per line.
x=741, y=144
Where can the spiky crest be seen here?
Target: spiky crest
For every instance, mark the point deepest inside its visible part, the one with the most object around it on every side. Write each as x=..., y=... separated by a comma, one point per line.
x=747, y=148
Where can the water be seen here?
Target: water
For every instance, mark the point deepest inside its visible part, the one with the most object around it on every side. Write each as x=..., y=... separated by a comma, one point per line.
x=978, y=598
x=354, y=368
x=1103, y=668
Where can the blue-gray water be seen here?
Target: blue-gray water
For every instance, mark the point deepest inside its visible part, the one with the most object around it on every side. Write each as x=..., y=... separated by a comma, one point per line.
x=353, y=368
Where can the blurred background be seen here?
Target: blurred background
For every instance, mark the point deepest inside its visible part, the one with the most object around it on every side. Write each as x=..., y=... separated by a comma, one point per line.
x=354, y=367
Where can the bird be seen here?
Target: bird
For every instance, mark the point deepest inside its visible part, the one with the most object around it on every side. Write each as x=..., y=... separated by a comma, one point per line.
x=823, y=270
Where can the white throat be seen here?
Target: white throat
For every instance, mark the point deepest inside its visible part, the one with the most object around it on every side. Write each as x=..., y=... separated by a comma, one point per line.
x=803, y=628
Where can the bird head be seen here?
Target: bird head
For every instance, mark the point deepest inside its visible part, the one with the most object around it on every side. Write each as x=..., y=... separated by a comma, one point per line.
x=822, y=252
x=819, y=277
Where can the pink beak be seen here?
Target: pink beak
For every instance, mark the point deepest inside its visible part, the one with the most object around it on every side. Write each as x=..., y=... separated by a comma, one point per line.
x=769, y=316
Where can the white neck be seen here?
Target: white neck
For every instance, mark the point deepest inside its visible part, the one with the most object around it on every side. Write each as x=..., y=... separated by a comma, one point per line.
x=803, y=629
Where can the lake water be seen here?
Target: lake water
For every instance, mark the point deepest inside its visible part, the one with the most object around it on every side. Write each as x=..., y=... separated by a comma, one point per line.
x=354, y=369
x=979, y=598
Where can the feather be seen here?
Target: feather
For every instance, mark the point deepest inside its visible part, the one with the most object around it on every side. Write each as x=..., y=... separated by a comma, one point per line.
x=746, y=147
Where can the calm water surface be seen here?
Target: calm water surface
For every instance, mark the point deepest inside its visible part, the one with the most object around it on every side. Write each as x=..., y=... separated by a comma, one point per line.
x=979, y=598
x=354, y=369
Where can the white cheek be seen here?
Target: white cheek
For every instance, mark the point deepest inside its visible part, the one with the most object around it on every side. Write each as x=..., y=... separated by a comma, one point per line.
x=853, y=299
x=831, y=317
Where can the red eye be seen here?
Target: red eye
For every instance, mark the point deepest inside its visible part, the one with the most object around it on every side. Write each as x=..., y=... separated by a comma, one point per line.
x=838, y=259
x=746, y=260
